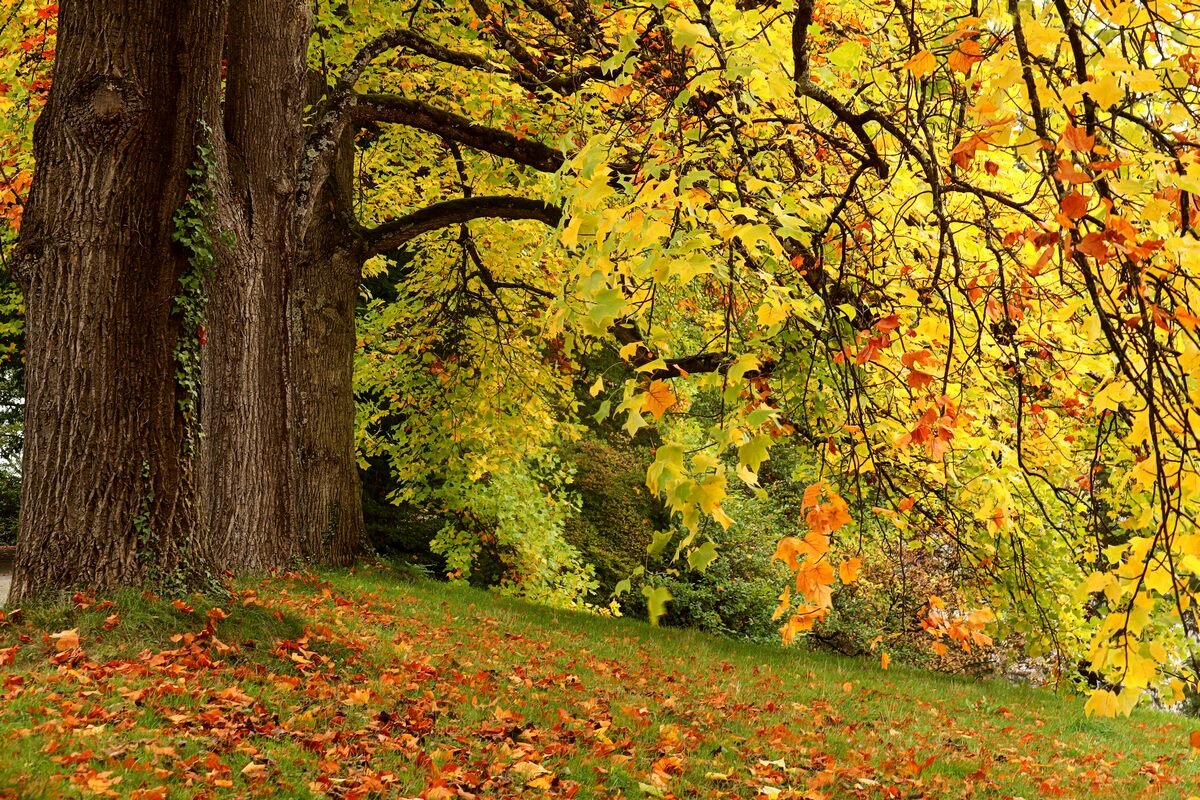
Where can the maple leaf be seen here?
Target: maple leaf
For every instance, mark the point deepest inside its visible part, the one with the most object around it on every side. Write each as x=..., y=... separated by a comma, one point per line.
x=849, y=569
x=785, y=602
x=827, y=517
x=814, y=581
x=804, y=619
x=965, y=56
x=8, y=655
x=788, y=551
x=1077, y=138
x=659, y=398
x=1074, y=205
x=922, y=64
x=66, y=640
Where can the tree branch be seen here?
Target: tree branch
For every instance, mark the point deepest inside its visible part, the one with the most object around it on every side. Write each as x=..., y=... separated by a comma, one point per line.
x=626, y=332
x=537, y=75
x=415, y=114
x=394, y=234
x=407, y=39
x=806, y=88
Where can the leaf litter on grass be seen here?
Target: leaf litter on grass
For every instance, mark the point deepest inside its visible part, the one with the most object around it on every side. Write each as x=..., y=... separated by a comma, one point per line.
x=360, y=685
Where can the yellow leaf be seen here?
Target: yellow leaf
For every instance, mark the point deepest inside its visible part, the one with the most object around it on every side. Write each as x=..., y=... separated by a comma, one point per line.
x=1102, y=703
x=849, y=569
x=769, y=315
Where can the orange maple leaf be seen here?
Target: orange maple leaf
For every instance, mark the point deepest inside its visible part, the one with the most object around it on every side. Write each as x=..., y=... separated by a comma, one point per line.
x=659, y=398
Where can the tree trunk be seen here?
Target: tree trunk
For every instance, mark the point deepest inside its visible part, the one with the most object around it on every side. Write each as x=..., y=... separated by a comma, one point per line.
x=109, y=495
x=282, y=480
x=326, y=484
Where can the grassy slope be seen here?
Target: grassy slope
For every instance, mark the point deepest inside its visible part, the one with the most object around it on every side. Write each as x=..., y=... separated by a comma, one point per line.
x=365, y=685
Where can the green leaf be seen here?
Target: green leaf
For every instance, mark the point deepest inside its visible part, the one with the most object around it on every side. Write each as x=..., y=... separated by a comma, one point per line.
x=754, y=452
x=656, y=601
x=847, y=55
x=659, y=543
x=702, y=556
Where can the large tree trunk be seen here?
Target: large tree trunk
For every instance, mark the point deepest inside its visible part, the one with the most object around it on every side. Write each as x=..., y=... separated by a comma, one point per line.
x=282, y=481
x=109, y=494
x=326, y=485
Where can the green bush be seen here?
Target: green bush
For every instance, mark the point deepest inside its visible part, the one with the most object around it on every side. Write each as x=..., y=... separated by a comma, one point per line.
x=616, y=512
x=401, y=531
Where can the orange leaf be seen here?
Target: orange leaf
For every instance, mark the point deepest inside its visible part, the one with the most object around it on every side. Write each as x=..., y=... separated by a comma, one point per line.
x=803, y=620
x=658, y=399
x=922, y=64
x=1076, y=138
x=918, y=379
x=825, y=518
x=787, y=551
x=965, y=56
x=815, y=545
x=66, y=640
x=1068, y=172
x=1075, y=205
x=1194, y=739
x=814, y=582
x=1186, y=318
x=785, y=602
x=849, y=569
x=885, y=660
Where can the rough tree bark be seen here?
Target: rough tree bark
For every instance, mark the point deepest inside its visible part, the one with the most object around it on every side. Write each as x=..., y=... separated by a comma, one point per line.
x=109, y=494
x=326, y=486
x=247, y=445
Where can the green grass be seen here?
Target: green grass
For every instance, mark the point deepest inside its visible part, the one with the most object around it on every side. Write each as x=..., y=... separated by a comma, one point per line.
x=366, y=684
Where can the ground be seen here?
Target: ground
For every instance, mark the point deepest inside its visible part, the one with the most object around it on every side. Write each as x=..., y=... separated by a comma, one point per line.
x=371, y=684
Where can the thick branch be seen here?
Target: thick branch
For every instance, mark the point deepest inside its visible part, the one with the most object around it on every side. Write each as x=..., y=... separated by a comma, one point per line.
x=415, y=114
x=806, y=88
x=626, y=332
x=394, y=234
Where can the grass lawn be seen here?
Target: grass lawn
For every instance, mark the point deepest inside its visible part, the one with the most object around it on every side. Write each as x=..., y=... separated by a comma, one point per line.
x=366, y=684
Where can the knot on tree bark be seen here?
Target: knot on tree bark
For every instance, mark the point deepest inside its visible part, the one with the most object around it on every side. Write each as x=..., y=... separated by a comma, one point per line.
x=103, y=107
